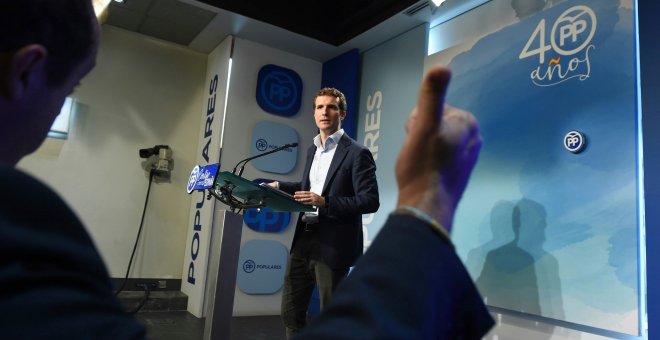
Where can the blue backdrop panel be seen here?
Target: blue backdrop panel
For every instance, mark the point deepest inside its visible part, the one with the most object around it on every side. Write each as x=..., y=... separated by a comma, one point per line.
x=649, y=26
x=342, y=73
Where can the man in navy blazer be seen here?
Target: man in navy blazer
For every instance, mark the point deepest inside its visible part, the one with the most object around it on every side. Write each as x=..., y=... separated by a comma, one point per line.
x=340, y=181
x=410, y=284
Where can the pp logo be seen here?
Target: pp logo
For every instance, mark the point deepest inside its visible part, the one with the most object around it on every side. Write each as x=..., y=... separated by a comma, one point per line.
x=269, y=136
x=266, y=220
x=264, y=264
x=261, y=144
x=570, y=27
x=575, y=141
x=192, y=180
x=564, y=53
x=279, y=90
x=248, y=266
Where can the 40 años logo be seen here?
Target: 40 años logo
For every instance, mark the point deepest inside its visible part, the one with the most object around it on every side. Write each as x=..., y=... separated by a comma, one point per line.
x=567, y=47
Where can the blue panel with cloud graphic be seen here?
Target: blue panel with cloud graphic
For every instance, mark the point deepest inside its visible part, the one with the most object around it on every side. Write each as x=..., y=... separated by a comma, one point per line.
x=543, y=230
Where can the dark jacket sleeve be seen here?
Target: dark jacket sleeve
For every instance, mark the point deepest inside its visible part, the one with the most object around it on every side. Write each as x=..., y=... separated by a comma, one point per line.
x=410, y=284
x=364, y=196
x=290, y=187
x=53, y=282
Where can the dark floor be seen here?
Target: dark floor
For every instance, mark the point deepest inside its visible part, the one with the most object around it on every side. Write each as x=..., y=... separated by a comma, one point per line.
x=165, y=316
x=181, y=325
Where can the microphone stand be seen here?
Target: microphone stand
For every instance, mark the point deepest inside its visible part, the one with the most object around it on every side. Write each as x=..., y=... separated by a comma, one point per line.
x=240, y=171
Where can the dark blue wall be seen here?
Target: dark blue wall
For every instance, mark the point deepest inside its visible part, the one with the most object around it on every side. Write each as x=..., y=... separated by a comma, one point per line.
x=649, y=43
x=342, y=73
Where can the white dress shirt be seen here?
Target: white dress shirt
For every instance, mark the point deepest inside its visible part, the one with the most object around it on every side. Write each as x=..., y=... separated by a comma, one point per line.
x=321, y=164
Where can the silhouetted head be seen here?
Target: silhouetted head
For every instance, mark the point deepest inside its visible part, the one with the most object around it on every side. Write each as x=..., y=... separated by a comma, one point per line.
x=46, y=47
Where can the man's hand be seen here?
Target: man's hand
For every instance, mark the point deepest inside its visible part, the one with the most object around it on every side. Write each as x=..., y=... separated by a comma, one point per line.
x=309, y=198
x=442, y=147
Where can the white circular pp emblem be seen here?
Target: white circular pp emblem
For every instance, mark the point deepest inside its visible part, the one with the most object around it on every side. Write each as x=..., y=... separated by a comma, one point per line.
x=575, y=141
x=192, y=180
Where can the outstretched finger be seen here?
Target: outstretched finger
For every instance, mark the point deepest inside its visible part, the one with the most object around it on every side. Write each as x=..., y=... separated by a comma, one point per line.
x=430, y=103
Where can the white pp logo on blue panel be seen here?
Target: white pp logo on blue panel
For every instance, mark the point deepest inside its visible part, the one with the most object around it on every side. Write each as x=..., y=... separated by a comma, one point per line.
x=202, y=177
x=261, y=267
x=575, y=141
x=192, y=180
x=267, y=136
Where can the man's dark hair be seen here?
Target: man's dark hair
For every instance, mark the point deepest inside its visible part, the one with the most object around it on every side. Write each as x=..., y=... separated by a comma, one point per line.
x=332, y=92
x=63, y=27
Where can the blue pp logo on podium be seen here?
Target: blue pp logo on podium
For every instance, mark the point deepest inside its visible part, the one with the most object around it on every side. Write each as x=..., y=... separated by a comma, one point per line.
x=261, y=266
x=267, y=136
x=279, y=90
x=266, y=220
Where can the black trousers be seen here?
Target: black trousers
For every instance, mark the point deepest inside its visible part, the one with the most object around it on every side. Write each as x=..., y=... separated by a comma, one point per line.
x=303, y=272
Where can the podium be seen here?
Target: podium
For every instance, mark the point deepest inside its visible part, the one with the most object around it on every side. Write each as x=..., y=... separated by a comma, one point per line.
x=238, y=193
x=229, y=188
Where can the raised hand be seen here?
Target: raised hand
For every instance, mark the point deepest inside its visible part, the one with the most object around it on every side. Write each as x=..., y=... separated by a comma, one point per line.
x=441, y=150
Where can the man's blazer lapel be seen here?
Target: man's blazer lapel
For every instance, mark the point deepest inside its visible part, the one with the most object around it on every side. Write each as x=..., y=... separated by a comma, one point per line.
x=310, y=158
x=337, y=159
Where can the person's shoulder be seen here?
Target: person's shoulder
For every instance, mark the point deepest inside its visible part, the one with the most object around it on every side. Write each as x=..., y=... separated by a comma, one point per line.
x=13, y=179
x=348, y=141
x=21, y=192
x=354, y=149
x=9, y=171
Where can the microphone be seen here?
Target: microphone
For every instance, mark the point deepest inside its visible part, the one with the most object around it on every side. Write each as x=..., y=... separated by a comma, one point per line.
x=240, y=171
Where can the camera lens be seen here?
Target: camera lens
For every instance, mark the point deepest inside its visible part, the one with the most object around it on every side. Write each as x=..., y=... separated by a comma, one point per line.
x=146, y=153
